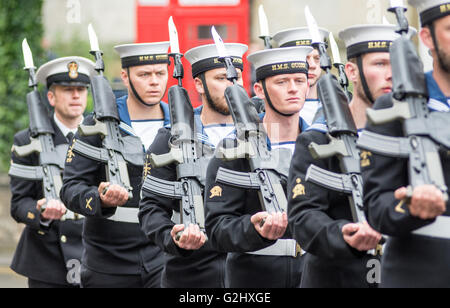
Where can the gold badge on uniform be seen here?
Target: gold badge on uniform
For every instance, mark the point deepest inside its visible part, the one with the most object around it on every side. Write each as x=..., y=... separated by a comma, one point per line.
x=88, y=203
x=147, y=167
x=216, y=191
x=70, y=154
x=365, y=158
x=299, y=189
x=30, y=216
x=399, y=208
x=73, y=69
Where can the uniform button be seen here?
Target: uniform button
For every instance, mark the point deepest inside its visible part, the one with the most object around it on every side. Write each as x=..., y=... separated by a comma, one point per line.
x=41, y=232
x=63, y=239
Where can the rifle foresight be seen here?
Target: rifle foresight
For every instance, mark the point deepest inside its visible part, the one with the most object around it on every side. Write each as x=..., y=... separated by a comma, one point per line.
x=178, y=71
x=232, y=74
x=401, y=19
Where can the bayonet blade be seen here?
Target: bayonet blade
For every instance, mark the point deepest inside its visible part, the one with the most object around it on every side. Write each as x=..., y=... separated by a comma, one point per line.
x=263, y=22
x=27, y=55
x=173, y=34
x=220, y=45
x=93, y=40
x=385, y=21
x=335, y=50
x=312, y=25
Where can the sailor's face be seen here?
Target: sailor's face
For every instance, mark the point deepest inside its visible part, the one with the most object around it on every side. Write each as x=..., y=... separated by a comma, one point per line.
x=442, y=28
x=315, y=70
x=217, y=83
x=378, y=73
x=150, y=81
x=69, y=101
x=287, y=92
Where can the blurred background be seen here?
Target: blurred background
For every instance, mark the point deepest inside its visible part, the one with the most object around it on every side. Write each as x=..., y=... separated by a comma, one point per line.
x=58, y=28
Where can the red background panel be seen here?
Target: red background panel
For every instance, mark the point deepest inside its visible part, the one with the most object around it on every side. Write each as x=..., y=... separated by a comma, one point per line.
x=193, y=24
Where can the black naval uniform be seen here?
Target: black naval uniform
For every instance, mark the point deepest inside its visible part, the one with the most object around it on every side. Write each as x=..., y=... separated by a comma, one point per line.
x=44, y=254
x=116, y=254
x=203, y=268
x=409, y=260
x=316, y=217
x=228, y=211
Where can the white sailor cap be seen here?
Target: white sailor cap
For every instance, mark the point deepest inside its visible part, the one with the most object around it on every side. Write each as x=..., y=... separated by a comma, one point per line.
x=278, y=61
x=206, y=57
x=363, y=39
x=67, y=71
x=430, y=10
x=298, y=37
x=143, y=53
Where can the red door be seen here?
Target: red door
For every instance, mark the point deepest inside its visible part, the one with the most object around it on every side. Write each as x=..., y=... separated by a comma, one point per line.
x=193, y=19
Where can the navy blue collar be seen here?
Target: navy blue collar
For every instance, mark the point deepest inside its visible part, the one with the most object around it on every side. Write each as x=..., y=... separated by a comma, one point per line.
x=302, y=125
x=438, y=101
x=124, y=115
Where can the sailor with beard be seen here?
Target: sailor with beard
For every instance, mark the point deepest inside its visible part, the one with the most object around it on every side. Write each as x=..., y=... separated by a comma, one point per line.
x=418, y=248
x=321, y=219
x=302, y=37
x=190, y=261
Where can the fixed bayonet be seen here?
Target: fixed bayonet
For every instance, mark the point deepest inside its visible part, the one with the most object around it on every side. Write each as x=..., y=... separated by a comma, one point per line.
x=107, y=120
x=184, y=151
x=41, y=141
x=264, y=28
x=423, y=133
x=342, y=132
x=337, y=63
x=265, y=175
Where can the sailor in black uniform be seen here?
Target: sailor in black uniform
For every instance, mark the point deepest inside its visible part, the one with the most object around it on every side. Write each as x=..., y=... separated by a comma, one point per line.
x=418, y=248
x=261, y=252
x=117, y=253
x=321, y=219
x=49, y=251
x=190, y=261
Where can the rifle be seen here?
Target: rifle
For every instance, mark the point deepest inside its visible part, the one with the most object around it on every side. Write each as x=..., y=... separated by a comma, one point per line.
x=424, y=131
x=268, y=168
x=342, y=133
x=183, y=152
x=115, y=152
x=41, y=141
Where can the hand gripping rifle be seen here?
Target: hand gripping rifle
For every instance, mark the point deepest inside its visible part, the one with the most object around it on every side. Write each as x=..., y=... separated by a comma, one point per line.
x=42, y=132
x=268, y=168
x=342, y=133
x=425, y=132
x=115, y=151
x=184, y=151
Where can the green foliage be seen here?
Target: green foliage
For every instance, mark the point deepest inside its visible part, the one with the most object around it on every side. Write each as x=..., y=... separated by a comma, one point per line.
x=19, y=19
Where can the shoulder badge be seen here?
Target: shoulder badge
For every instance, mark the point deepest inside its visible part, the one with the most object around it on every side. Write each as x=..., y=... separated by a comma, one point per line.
x=73, y=70
x=365, y=158
x=399, y=208
x=299, y=189
x=30, y=216
x=216, y=191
